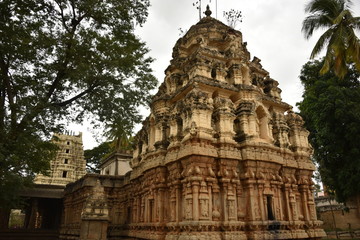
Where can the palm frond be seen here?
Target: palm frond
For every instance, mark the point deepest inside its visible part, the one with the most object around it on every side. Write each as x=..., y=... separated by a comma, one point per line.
x=332, y=49
x=343, y=46
x=343, y=14
x=327, y=61
x=353, y=50
x=324, y=39
x=330, y=8
x=340, y=68
x=355, y=22
x=314, y=22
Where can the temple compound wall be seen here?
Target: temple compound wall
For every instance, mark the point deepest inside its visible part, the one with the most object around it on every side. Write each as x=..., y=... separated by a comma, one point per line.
x=337, y=215
x=220, y=156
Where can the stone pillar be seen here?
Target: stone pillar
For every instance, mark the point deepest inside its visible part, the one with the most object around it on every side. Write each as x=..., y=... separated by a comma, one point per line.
x=253, y=126
x=231, y=204
x=4, y=218
x=294, y=213
x=244, y=123
x=304, y=201
x=210, y=183
x=262, y=200
x=187, y=202
x=195, y=197
x=224, y=119
x=95, y=215
x=241, y=212
x=220, y=74
x=243, y=113
x=142, y=209
x=280, y=203
x=173, y=132
x=33, y=213
x=178, y=202
x=224, y=203
x=155, y=218
x=287, y=202
x=158, y=132
x=204, y=202
x=312, y=210
x=161, y=204
x=216, y=202
x=235, y=74
x=249, y=186
x=135, y=209
x=172, y=206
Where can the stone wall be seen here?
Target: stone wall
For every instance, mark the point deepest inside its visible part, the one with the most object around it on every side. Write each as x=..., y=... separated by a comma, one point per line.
x=91, y=207
x=345, y=217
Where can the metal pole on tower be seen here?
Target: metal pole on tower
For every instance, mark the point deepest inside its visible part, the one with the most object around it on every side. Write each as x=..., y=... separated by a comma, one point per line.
x=216, y=9
x=200, y=10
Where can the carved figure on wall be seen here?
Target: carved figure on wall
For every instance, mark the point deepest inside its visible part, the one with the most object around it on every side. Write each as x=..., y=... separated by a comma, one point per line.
x=232, y=212
x=204, y=208
x=188, y=209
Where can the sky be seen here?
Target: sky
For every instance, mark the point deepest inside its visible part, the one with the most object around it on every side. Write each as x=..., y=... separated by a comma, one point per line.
x=271, y=28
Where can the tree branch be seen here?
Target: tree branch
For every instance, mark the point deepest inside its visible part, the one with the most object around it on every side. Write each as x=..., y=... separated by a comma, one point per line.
x=62, y=71
x=73, y=22
x=2, y=107
x=8, y=90
x=62, y=16
x=69, y=101
x=92, y=169
x=44, y=103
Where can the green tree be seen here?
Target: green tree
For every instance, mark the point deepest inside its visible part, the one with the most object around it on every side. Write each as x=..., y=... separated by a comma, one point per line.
x=63, y=60
x=119, y=140
x=331, y=110
x=94, y=156
x=343, y=46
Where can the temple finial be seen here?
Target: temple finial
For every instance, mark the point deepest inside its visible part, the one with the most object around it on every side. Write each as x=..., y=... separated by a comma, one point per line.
x=208, y=11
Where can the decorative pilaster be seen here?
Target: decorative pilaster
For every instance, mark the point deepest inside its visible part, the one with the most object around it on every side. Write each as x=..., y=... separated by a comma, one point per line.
x=224, y=119
x=204, y=202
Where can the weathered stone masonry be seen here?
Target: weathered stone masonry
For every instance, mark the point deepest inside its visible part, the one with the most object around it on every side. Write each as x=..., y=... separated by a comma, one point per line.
x=219, y=157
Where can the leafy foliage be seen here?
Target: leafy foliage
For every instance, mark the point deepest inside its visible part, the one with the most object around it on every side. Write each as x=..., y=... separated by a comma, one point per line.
x=343, y=46
x=94, y=156
x=120, y=138
x=331, y=110
x=63, y=60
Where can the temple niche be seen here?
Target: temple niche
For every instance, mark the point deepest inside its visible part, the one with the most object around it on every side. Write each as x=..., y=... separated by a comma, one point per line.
x=219, y=157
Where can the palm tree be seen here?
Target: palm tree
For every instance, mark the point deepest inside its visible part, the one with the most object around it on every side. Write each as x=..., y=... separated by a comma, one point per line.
x=343, y=46
x=119, y=132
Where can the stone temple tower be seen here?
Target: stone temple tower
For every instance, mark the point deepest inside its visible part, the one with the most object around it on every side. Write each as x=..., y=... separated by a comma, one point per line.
x=220, y=156
x=69, y=164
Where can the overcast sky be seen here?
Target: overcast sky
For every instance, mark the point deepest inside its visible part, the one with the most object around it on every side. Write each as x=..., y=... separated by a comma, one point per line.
x=271, y=28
